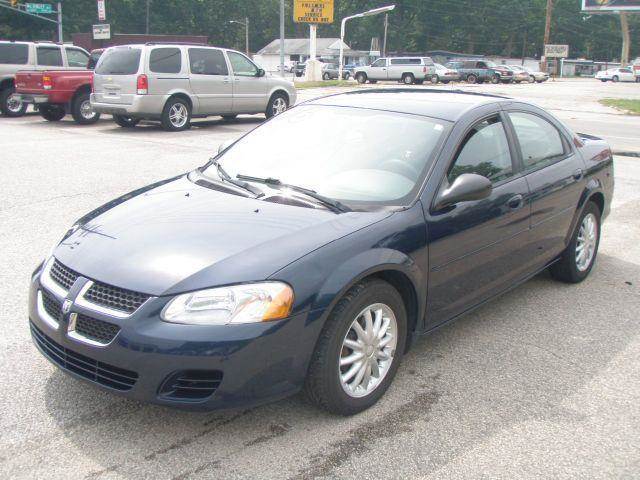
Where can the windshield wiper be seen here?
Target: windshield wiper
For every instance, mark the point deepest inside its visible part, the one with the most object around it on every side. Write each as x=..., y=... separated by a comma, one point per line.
x=332, y=204
x=227, y=178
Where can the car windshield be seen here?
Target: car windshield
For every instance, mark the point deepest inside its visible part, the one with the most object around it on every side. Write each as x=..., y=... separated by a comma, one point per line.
x=354, y=155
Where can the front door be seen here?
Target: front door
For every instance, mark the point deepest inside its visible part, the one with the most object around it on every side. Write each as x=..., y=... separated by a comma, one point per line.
x=249, y=89
x=475, y=247
x=210, y=81
x=378, y=70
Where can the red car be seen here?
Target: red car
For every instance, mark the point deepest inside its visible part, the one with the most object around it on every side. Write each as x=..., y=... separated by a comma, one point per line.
x=58, y=92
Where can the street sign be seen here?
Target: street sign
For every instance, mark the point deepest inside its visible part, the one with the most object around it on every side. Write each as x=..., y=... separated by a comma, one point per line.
x=102, y=13
x=594, y=6
x=556, y=51
x=39, y=8
x=102, y=31
x=313, y=11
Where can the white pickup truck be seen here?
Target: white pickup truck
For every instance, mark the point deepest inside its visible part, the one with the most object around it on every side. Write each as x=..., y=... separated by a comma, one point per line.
x=407, y=70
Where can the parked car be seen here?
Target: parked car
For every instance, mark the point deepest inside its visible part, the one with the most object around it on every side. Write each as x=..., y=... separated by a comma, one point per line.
x=407, y=70
x=519, y=75
x=299, y=69
x=330, y=71
x=16, y=56
x=481, y=71
x=350, y=67
x=174, y=83
x=534, y=75
x=636, y=69
x=444, y=74
x=58, y=92
x=616, y=75
x=257, y=275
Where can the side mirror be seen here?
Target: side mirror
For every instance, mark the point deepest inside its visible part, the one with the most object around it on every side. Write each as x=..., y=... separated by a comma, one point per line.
x=465, y=188
x=260, y=73
x=224, y=145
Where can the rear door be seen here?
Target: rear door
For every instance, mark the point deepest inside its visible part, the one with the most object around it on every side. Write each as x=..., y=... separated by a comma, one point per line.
x=167, y=71
x=475, y=247
x=554, y=172
x=249, y=89
x=76, y=57
x=626, y=75
x=116, y=75
x=210, y=80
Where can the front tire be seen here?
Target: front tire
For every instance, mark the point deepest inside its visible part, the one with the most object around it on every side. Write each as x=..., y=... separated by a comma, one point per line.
x=9, y=106
x=325, y=76
x=125, y=122
x=278, y=103
x=471, y=79
x=615, y=79
x=52, y=113
x=82, y=112
x=435, y=79
x=578, y=259
x=359, y=349
x=495, y=79
x=361, y=78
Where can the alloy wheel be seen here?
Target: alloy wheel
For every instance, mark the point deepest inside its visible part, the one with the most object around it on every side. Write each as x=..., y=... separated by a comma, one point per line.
x=86, y=111
x=586, y=242
x=178, y=115
x=13, y=104
x=368, y=350
x=279, y=105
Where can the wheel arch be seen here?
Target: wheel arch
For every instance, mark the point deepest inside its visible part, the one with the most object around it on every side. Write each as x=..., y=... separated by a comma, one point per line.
x=279, y=89
x=86, y=88
x=593, y=192
x=180, y=94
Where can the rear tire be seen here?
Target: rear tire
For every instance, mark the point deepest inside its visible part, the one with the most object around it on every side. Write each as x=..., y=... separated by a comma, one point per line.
x=176, y=115
x=81, y=110
x=278, y=103
x=471, y=78
x=324, y=384
x=361, y=77
x=325, y=76
x=495, y=79
x=532, y=79
x=615, y=79
x=11, y=107
x=571, y=268
x=126, y=122
x=52, y=113
x=435, y=79
x=408, y=79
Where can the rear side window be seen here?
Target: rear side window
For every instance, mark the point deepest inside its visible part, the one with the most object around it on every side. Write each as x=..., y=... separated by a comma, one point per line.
x=207, y=61
x=76, y=58
x=119, y=61
x=49, y=56
x=165, y=60
x=540, y=142
x=14, y=54
x=484, y=151
x=406, y=61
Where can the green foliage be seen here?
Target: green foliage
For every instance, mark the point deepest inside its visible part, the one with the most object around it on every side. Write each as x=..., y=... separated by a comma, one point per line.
x=499, y=27
x=630, y=106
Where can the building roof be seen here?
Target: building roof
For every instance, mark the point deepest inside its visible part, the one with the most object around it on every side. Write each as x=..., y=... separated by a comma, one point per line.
x=300, y=46
x=442, y=104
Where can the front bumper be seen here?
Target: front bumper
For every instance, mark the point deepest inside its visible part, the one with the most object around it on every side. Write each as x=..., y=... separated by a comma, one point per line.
x=257, y=363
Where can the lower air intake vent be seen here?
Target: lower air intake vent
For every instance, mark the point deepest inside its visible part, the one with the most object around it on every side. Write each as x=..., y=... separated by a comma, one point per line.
x=191, y=385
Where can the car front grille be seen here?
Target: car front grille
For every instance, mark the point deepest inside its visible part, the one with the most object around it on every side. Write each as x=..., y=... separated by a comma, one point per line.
x=52, y=306
x=191, y=385
x=93, y=370
x=63, y=276
x=96, y=330
x=115, y=298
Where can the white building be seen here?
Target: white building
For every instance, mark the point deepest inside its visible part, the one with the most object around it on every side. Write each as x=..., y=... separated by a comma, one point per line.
x=297, y=50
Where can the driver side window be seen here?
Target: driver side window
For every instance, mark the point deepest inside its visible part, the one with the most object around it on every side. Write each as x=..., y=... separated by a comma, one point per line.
x=241, y=65
x=381, y=62
x=484, y=151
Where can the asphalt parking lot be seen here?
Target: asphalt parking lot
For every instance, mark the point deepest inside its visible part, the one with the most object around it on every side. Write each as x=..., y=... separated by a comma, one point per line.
x=543, y=382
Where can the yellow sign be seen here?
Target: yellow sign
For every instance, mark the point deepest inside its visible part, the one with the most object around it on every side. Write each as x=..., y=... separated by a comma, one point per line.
x=313, y=11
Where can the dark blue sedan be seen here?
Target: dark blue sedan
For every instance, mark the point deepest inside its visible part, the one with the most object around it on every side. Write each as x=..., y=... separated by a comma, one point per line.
x=270, y=270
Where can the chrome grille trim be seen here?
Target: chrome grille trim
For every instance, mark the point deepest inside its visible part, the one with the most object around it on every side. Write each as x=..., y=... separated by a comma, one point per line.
x=44, y=315
x=48, y=283
x=83, y=302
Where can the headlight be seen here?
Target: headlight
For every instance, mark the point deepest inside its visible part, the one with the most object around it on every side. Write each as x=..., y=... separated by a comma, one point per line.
x=248, y=303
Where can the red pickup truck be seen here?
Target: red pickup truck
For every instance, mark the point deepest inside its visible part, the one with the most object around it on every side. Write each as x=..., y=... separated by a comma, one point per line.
x=58, y=92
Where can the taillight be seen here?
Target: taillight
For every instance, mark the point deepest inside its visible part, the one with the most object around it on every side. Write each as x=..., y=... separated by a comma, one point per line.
x=47, y=83
x=142, y=85
x=91, y=82
x=424, y=69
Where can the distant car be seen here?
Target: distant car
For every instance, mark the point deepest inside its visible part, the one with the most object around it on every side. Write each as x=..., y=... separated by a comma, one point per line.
x=175, y=82
x=616, y=75
x=407, y=70
x=444, y=74
x=299, y=69
x=481, y=71
x=533, y=75
x=16, y=56
x=258, y=275
x=636, y=69
x=330, y=72
x=58, y=92
x=519, y=75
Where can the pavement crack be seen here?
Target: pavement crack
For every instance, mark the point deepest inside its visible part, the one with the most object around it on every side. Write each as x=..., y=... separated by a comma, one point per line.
x=275, y=430
x=198, y=469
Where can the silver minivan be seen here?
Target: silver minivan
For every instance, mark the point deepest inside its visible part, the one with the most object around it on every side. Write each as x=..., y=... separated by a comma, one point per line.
x=174, y=83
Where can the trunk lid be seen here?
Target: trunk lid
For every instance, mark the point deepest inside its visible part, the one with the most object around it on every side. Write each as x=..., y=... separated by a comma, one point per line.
x=29, y=81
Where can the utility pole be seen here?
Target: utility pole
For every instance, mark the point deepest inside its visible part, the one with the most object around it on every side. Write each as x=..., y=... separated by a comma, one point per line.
x=146, y=30
x=547, y=33
x=60, y=22
x=282, y=38
x=384, y=39
x=624, y=26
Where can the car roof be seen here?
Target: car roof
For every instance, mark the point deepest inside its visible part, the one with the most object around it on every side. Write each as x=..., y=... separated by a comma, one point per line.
x=448, y=105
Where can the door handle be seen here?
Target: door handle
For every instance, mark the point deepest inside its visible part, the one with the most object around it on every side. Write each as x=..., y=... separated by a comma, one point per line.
x=226, y=80
x=578, y=174
x=515, y=202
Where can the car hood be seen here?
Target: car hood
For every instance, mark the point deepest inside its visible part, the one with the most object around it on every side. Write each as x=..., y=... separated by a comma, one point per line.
x=177, y=236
